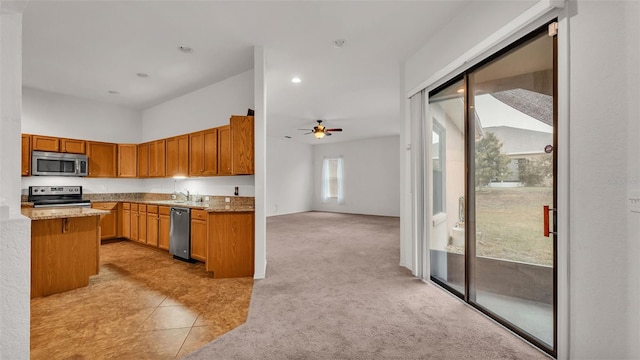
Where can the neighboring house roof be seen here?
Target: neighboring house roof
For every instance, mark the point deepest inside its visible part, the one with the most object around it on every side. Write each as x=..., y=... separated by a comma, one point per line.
x=492, y=112
x=538, y=106
x=521, y=141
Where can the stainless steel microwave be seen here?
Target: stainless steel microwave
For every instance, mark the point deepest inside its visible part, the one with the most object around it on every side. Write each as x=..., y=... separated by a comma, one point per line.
x=59, y=164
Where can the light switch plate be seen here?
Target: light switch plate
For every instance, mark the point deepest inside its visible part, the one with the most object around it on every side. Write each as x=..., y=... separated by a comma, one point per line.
x=227, y=199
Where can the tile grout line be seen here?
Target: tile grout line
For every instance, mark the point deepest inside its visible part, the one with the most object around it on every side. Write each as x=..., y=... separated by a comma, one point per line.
x=186, y=337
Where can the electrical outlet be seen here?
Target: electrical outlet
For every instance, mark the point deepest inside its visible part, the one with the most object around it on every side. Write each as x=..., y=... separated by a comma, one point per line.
x=227, y=199
x=173, y=196
x=206, y=198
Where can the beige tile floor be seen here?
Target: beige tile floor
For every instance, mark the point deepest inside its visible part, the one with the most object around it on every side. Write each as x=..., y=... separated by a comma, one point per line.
x=142, y=305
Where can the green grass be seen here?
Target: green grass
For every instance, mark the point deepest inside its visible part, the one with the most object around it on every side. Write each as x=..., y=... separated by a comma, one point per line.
x=509, y=224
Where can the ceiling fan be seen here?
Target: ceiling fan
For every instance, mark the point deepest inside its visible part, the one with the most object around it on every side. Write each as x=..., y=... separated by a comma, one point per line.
x=319, y=131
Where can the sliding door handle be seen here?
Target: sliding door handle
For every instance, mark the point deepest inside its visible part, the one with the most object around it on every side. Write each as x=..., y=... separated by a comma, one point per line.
x=545, y=217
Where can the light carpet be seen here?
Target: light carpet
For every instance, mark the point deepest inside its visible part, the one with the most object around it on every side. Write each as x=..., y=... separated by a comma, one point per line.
x=334, y=290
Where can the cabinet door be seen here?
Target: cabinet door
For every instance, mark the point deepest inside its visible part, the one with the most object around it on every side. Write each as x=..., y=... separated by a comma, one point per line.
x=196, y=153
x=210, y=160
x=152, y=229
x=126, y=223
x=230, y=244
x=224, y=150
x=102, y=159
x=143, y=160
x=142, y=225
x=157, y=167
x=164, y=227
x=26, y=155
x=177, y=156
x=199, y=235
x=242, y=145
x=108, y=222
x=45, y=143
x=127, y=164
x=73, y=146
x=134, y=222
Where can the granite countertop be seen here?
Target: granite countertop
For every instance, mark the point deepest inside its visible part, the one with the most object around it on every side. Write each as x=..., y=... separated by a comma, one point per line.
x=60, y=212
x=206, y=206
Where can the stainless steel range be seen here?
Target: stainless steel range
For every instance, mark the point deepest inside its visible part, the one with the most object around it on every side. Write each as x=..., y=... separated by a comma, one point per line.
x=48, y=196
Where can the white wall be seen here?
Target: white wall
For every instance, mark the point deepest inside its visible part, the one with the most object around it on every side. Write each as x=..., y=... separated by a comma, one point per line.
x=47, y=113
x=604, y=170
x=604, y=135
x=202, y=109
x=15, y=229
x=289, y=177
x=371, y=176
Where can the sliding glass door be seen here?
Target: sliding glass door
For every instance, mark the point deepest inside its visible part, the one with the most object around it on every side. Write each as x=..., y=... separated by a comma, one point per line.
x=490, y=241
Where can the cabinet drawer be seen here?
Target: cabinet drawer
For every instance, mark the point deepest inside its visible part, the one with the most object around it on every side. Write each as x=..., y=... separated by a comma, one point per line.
x=142, y=207
x=152, y=209
x=134, y=207
x=126, y=206
x=104, y=205
x=164, y=210
x=198, y=215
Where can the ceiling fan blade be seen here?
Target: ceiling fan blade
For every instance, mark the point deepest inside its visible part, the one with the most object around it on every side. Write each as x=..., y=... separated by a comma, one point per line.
x=327, y=133
x=310, y=132
x=333, y=130
x=305, y=129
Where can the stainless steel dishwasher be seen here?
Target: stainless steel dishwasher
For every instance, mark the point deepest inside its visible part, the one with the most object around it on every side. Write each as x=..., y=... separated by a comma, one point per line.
x=180, y=233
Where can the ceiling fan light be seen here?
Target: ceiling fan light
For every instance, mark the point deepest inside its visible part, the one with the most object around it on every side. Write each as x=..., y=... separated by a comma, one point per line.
x=318, y=134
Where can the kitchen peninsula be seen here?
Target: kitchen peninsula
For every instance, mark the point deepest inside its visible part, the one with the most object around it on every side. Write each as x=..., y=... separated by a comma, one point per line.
x=65, y=248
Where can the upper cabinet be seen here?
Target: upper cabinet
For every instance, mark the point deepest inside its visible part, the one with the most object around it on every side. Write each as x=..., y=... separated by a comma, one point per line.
x=127, y=164
x=242, y=139
x=49, y=143
x=102, y=159
x=143, y=160
x=177, y=156
x=73, y=146
x=203, y=153
x=45, y=143
x=26, y=155
x=157, y=166
x=224, y=150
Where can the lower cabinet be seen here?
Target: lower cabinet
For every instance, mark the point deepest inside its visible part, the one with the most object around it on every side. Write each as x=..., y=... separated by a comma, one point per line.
x=152, y=225
x=230, y=247
x=108, y=222
x=126, y=220
x=199, y=235
x=164, y=226
x=142, y=223
x=134, y=222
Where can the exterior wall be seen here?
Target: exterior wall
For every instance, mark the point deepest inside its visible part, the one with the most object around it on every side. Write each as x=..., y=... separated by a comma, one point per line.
x=371, y=176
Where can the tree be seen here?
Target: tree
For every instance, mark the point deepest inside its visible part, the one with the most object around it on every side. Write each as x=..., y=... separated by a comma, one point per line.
x=533, y=172
x=491, y=162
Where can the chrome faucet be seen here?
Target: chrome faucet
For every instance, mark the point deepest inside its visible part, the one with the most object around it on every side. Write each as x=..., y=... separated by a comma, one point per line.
x=185, y=194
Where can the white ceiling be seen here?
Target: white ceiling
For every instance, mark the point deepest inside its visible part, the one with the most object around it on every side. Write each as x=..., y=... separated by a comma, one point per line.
x=86, y=48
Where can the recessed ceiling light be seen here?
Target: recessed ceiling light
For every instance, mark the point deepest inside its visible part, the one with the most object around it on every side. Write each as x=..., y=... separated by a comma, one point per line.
x=338, y=43
x=185, y=49
x=113, y=92
x=296, y=80
x=142, y=75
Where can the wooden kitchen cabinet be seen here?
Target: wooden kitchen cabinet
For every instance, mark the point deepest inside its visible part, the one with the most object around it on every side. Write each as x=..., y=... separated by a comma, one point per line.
x=126, y=221
x=135, y=225
x=230, y=244
x=242, y=148
x=203, y=153
x=224, y=150
x=142, y=223
x=177, y=156
x=164, y=227
x=199, y=234
x=157, y=166
x=45, y=143
x=152, y=225
x=127, y=163
x=73, y=146
x=26, y=155
x=108, y=222
x=102, y=159
x=143, y=160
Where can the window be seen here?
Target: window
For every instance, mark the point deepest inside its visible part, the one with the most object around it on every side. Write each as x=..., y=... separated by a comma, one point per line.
x=332, y=179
